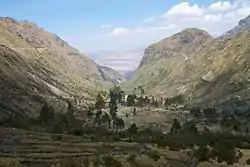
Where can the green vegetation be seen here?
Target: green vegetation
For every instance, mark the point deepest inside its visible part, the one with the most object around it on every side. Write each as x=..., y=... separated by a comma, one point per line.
x=99, y=125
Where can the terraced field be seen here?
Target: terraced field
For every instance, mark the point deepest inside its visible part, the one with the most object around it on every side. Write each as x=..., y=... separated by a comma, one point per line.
x=20, y=148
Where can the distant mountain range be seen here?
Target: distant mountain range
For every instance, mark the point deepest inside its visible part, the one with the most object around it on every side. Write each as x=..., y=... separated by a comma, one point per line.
x=110, y=74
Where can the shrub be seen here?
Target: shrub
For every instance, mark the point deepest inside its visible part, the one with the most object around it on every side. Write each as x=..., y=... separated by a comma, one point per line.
x=56, y=137
x=154, y=155
x=47, y=113
x=248, y=161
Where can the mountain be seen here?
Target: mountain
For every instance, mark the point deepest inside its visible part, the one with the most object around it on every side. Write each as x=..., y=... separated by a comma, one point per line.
x=111, y=75
x=129, y=74
x=161, y=66
x=179, y=45
x=38, y=66
x=197, y=66
x=243, y=25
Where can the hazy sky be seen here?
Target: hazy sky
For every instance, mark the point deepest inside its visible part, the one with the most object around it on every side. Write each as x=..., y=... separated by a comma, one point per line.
x=115, y=32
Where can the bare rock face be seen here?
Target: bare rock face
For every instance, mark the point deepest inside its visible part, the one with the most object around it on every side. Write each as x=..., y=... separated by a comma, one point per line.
x=38, y=66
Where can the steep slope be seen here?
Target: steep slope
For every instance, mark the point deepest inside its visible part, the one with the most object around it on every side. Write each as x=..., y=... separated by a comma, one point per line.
x=243, y=25
x=36, y=65
x=181, y=44
x=129, y=74
x=161, y=66
x=213, y=72
x=111, y=75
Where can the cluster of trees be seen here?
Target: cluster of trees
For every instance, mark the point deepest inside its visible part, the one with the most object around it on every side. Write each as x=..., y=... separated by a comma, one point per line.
x=211, y=146
x=218, y=146
x=178, y=99
x=232, y=121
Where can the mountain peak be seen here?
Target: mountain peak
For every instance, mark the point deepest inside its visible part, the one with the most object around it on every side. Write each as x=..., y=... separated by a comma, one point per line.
x=187, y=36
x=194, y=31
x=182, y=43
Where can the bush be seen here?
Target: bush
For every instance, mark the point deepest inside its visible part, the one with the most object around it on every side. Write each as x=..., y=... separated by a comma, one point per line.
x=248, y=161
x=110, y=161
x=47, y=113
x=154, y=155
x=203, y=153
x=56, y=137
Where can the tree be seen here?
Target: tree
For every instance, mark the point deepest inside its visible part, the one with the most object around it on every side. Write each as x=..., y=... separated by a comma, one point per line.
x=147, y=100
x=89, y=114
x=120, y=124
x=176, y=127
x=97, y=162
x=113, y=105
x=110, y=161
x=210, y=113
x=248, y=161
x=190, y=127
x=117, y=94
x=132, y=130
x=142, y=91
x=134, y=113
x=167, y=102
x=86, y=162
x=225, y=150
x=106, y=120
x=100, y=103
x=113, y=109
x=131, y=100
x=47, y=113
x=156, y=104
x=98, y=117
x=132, y=159
x=203, y=153
x=196, y=112
x=141, y=101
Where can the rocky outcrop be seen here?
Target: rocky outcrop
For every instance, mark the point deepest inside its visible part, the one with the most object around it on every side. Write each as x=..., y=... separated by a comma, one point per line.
x=243, y=25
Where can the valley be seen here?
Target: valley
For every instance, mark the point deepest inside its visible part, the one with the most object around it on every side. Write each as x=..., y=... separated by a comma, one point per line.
x=187, y=104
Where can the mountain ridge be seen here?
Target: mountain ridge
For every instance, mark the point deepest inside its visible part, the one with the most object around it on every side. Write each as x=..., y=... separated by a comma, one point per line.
x=197, y=73
x=48, y=68
x=243, y=25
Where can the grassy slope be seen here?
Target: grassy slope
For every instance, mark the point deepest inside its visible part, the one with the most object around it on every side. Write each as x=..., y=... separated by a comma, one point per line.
x=36, y=62
x=228, y=61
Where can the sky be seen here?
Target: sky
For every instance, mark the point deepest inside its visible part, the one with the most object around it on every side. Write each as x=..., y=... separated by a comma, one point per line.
x=116, y=32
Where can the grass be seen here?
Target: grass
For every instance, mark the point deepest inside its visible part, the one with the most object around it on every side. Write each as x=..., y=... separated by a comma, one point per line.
x=171, y=76
x=41, y=149
x=10, y=162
